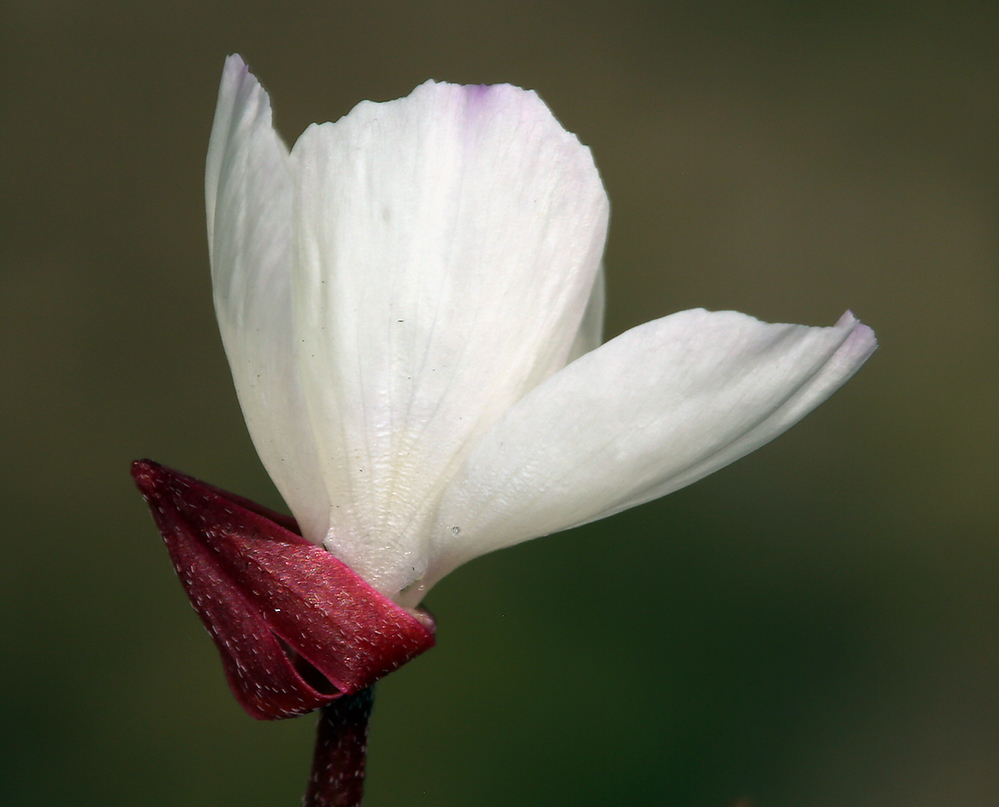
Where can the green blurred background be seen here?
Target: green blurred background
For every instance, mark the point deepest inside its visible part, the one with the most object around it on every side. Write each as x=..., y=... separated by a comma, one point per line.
x=815, y=625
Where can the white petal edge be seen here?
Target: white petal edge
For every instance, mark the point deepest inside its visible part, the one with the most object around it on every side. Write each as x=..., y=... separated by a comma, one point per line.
x=248, y=203
x=651, y=411
x=591, y=329
x=447, y=248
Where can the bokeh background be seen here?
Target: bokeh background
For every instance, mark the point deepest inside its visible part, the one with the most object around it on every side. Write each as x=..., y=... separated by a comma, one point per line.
x=817, y=625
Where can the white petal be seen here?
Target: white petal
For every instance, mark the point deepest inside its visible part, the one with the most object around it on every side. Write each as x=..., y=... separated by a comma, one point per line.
x=653, y=410
x=248, y=199
x=447, y=248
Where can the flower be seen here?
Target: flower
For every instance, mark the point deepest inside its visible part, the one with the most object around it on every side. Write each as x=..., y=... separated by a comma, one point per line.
x=411, y=302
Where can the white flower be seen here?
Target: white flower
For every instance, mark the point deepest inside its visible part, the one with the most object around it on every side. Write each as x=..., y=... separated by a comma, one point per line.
x=407, y=299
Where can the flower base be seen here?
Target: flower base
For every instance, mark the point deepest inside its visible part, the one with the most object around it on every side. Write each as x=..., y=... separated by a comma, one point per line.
x=296, y=628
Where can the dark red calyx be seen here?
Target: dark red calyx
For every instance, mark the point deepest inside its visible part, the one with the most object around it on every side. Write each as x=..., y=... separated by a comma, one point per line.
x=296, y=628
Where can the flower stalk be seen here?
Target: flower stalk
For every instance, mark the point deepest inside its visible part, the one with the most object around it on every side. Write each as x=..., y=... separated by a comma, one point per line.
x=341, y=750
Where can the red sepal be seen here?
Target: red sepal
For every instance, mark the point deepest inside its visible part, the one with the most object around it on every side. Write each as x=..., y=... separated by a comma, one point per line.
x=279, y=608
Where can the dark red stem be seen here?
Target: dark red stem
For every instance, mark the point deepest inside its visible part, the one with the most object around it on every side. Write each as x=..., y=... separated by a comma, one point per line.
x=341, y=749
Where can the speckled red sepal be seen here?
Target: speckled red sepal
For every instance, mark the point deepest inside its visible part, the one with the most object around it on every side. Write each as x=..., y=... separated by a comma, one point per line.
x=295, y=627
